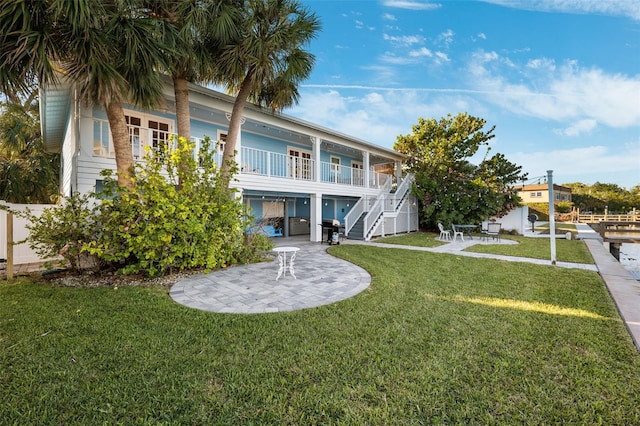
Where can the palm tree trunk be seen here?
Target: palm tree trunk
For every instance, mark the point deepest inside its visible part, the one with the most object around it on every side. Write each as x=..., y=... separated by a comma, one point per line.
x=234, y=127
x=121, y=143
x=183, y=117
x=182, y=107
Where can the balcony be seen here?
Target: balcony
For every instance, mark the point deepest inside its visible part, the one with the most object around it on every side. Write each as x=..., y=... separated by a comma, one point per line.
x=252, y=161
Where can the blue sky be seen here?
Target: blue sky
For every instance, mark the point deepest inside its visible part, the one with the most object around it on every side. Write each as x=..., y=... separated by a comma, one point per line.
x=560, y=79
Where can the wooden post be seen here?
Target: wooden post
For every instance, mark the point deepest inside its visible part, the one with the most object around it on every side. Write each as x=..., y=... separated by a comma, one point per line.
x=9, y=245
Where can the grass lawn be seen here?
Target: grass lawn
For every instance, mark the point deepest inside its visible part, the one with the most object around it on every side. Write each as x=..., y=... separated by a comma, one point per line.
x=436, y=339
x=574, y=251
x=419, y=239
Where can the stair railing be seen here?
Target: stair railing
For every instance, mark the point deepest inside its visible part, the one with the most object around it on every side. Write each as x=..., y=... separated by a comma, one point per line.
x=354, y=214
x=372, y=217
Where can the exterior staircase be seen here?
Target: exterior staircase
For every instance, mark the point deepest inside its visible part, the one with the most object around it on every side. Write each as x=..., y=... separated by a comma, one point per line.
x=368, y=212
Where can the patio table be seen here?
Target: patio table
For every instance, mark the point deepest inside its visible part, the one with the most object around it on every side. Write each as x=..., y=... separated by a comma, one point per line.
x=465, y=229
x=282, y=260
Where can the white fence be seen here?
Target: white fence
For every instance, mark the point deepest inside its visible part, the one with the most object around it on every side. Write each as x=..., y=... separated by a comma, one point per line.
x=22, y=253
x=516, y=219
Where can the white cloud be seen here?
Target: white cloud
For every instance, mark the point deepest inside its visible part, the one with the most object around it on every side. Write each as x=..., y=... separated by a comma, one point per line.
x=542, y=63
x=412, y=5
x=578, y=128
x=423, y=51
x=597, y=163
x=482, y=36
x=568, y=92
x=628, y=8
x=389, y=17
x=442, y=57
x=393, y=59
x=403, y=40
x=446, y=37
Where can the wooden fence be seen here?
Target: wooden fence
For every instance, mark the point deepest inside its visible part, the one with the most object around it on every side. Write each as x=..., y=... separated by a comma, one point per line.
x=596, y=218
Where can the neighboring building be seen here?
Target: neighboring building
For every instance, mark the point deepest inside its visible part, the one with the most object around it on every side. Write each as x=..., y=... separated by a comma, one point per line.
x=292, y=172
x=540, y=193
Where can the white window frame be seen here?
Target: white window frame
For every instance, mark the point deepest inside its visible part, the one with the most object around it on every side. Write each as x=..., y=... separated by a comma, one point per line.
x=335, y=166
x=221, y=140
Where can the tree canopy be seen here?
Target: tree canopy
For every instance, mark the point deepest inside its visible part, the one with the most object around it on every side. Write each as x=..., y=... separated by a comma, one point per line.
x=28, y=174
x=449, y=187
x=600, y=195
x=268, y=61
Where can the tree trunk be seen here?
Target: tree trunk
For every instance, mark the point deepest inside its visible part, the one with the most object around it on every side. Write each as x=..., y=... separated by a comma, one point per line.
x=234, y=128
x=121, y=143
x=182, y=107
x=183, y=117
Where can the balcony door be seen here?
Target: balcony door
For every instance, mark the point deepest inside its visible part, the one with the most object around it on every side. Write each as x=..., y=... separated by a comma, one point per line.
x=299, y=164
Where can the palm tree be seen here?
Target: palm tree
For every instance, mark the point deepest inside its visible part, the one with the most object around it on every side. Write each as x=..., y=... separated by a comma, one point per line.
x=267, y=63
x=28, y=174
x=111, y=51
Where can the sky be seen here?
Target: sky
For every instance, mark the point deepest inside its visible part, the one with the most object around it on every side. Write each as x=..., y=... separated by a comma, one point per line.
x=559, y=79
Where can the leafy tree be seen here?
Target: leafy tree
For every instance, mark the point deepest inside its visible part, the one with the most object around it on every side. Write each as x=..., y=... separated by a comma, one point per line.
x=110, y=50
x=28, y=174
x=600, y=195
x=449, y=187
x=268, y=61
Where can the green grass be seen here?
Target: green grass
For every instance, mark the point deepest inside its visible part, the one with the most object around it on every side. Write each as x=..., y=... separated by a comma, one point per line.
x=574, y=251
x=419, y=239
x=436, y=339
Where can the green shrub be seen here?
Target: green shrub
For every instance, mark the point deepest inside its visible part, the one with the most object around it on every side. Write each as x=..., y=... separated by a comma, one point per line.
x=178, y=215
x=63, y=230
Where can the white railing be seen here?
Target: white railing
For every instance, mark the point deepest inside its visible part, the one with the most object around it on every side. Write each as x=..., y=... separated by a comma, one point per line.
x=375, y=212
x=253, y=161
x=272, y=164
x=393, y=201
x=344, y=175
x=380, y=180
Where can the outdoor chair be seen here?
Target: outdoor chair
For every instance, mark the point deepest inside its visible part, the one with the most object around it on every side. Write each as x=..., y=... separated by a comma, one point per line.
x=483, y=230
x=493, y=230
x=444, y=233
x=456, y=233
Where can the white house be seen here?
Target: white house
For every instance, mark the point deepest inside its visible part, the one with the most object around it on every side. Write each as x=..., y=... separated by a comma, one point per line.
x=291, y=171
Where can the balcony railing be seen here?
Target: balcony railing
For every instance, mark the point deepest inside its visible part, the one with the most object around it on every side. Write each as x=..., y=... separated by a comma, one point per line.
x=252, y=161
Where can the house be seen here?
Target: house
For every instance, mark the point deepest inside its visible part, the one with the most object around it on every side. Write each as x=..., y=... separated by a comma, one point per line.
x=293, y=173
x=540, y=193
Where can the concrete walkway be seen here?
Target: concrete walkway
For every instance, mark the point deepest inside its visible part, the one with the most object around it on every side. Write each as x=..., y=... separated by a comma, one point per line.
x=323, y=279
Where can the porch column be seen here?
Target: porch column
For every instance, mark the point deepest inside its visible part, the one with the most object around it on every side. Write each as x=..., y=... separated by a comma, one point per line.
x=316, y=158
x=365, y=166
x=398, y=167
x=285, y=225
x=316, y=217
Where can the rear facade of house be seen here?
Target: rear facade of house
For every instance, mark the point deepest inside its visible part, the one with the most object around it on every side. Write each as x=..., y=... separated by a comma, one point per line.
x=292, y=174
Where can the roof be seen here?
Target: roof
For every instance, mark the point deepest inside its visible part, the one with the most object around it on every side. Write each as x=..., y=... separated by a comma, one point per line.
x=55, y=105
x=542, y=187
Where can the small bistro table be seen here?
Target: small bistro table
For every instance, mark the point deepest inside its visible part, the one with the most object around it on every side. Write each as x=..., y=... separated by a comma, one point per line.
x=282, y=260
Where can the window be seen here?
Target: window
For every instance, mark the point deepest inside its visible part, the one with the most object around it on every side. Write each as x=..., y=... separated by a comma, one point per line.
x=221, y=141
x=536, y=194
x=133, y=126
x=159, y=134
x=335, y=164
